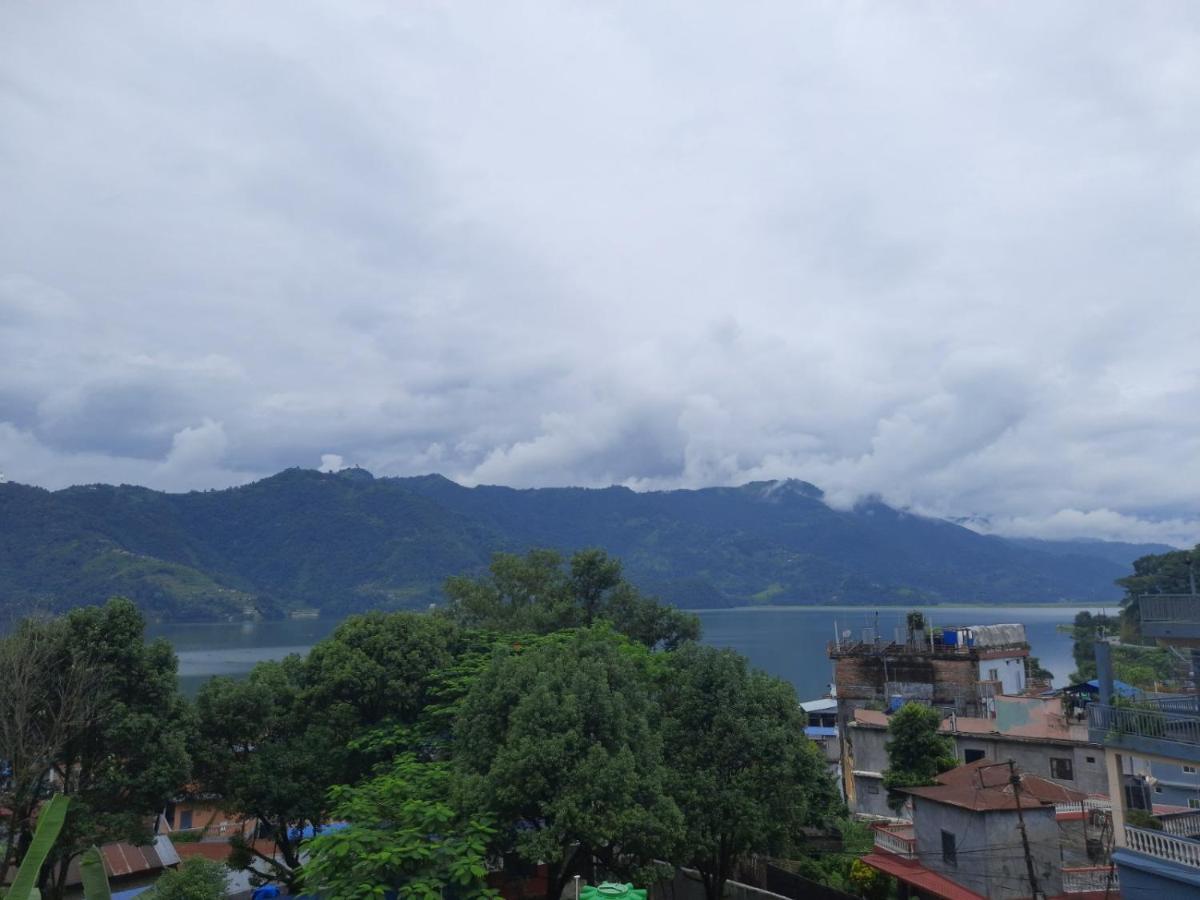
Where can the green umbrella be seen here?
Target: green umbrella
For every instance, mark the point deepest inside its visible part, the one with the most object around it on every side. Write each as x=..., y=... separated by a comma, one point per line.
x=610, y=890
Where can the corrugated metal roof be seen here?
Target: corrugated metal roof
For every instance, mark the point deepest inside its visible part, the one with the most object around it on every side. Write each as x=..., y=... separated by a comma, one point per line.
x=984, y=786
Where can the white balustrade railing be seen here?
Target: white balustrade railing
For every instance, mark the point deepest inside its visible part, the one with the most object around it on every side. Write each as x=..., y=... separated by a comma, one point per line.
x=1083, y=879
x=1080, y=806
x=1163, y=846
x=1181, y=825
x=899, y=840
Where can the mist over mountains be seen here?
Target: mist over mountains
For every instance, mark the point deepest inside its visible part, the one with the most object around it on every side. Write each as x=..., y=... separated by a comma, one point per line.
x=348, y=541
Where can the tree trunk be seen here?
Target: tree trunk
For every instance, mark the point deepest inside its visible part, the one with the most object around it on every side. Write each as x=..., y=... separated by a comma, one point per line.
x=559, y=875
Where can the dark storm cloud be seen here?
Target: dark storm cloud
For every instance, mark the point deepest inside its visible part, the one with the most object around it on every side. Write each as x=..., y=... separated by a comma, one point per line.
x=945, y=255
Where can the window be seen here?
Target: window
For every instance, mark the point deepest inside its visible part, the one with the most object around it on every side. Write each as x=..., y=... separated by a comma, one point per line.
x=1091, y=759
x=1193, y=802
x=872, y=788
x=185, y=820
x=1061, y=768
x=973, y=755
x=949, y=849
x=993, y=674
x=1189, y=770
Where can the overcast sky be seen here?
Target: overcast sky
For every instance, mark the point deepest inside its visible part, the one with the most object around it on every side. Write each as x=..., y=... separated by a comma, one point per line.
x=944, y=253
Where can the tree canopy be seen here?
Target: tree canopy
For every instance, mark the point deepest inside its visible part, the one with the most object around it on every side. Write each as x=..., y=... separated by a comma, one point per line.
x=87, y=698
x=916, y=752
x=558, y=740
x=403, y=835
x=542, y=592
x=740, y=768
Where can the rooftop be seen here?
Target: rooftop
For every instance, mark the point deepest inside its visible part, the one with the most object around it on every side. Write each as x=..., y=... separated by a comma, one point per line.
x=985, y=786
x=1018, y=717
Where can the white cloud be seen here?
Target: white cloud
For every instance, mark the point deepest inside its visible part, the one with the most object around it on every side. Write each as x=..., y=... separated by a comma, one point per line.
x=940, y=254
x=331, y=462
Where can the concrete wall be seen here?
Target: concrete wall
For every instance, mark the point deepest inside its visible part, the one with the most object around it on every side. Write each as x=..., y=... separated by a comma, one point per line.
x=1010, y=672
x=990, y=852
x=1145, y=876
x=1175, y=786
x=971, y=842
x=868, y=748
x=869, y=678
x=1034, y=758
x=866, y=753
x=871, y=798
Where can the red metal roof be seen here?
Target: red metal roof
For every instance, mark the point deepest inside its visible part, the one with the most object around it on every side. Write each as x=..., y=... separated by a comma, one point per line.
x=984, y=786
x=915, y=874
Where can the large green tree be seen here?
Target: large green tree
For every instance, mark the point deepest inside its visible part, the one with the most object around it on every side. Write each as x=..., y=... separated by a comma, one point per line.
x=130, y=759
x=381, y=665
x=46, y=699
x=917, y=754
x=541, y=592
x=741, y=769
x=402, y=836
x=558, y=741
x=271, y=746
x=269, y=754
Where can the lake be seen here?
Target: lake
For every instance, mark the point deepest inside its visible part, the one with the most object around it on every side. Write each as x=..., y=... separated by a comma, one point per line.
x=786, y=641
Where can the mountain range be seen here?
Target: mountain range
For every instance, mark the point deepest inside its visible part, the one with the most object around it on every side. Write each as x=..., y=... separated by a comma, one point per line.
x=349, y=541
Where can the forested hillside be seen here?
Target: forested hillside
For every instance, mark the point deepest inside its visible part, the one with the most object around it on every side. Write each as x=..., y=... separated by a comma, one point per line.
x=349, y=541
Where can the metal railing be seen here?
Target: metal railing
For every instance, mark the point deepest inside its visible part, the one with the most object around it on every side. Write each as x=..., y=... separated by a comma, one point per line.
x=1183, y=609
x=1145, y=721
x=1185, y=705
x=1163, y=846
x=897, y=839
x=1082, y=879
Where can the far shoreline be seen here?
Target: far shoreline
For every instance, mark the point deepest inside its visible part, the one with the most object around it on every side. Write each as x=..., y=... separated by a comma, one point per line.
x=899, y=606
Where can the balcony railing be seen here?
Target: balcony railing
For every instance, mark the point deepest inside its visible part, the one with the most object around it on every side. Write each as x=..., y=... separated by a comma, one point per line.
x=1163, y=846
x=1143, y=721
x=1083, y=879
x=1181, y=824
x=1185, y=705
x=1082, y=806
x=896, y=839
x=1177, y=609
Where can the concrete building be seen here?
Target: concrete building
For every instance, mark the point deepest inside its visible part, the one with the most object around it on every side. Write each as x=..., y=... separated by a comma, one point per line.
x=1030, y=731
x=1163, y=861
x=957, y=668
x=978, y=834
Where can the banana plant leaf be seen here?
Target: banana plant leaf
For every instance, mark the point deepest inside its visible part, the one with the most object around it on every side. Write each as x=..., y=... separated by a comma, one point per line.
x=95, y=880
x=49, y=823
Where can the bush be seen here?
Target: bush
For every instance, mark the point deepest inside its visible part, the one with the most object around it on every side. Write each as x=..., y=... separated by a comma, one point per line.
x=196, y=879
x=1139, y=818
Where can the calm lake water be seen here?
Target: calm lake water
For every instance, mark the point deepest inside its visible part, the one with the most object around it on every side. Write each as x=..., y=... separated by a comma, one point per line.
x=788, y=642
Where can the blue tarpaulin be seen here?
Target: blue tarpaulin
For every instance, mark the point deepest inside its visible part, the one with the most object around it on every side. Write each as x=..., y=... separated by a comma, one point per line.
x=1093, y=687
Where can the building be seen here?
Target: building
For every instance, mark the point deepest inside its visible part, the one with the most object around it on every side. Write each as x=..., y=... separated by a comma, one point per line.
x=822, y=730
x=977, y=676
x=989, y=830
x=959, y=668
x=1033, y=732
x=1163, y=733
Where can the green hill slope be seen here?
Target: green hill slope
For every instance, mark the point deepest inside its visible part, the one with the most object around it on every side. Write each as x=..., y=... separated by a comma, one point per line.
x=350, y=541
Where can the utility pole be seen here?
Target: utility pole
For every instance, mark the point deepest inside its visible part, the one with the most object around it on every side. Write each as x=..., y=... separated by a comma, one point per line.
x=1015, y=780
